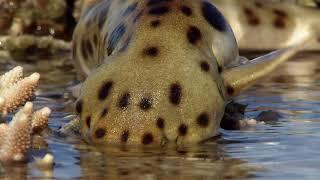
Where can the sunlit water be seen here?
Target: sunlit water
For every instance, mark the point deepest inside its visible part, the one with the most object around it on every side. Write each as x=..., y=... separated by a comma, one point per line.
x=287, y=149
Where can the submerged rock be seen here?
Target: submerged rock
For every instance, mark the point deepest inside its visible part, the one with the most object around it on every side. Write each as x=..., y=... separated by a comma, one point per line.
x=268, y=116
x=234, y=117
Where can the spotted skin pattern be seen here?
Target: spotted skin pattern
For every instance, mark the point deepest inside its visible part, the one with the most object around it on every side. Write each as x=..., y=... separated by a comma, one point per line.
x=155, y=71
x=266, y=25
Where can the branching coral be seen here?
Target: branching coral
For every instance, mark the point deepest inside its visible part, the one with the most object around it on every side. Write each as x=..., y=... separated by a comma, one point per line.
x=16, y=90
x=40, y=120
x=16, y=137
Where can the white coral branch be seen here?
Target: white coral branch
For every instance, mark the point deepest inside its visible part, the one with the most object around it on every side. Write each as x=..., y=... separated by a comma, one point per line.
x=45, y=163
x=18, y=136
x=15, y=90
x=15, y=137
x=2, y=102
x=11, y=77
x=40, y=119
x=3, y=130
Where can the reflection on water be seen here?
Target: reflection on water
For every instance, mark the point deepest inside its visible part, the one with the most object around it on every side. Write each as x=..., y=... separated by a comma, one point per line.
x=208, y=161
x=282, y=150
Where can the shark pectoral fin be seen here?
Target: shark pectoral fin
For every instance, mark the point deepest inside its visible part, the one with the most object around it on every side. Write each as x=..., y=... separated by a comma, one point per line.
x=238, y=78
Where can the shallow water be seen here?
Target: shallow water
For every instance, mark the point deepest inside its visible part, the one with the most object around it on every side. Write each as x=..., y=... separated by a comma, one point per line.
x=287, y=149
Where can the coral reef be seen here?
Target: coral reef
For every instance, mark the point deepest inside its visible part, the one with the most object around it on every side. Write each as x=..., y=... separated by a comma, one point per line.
x=24, y=47
x=16, y=90
x=45, y=163
x=39, y=120
x=16, y=137
x=37, y=17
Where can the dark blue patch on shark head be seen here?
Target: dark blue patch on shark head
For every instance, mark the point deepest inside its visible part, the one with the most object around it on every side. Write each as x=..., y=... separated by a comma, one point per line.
x=214, y=17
